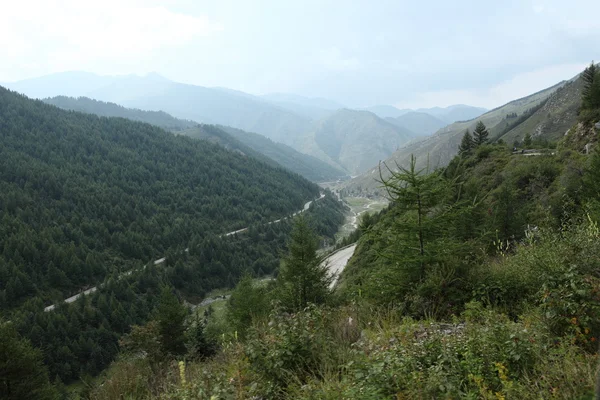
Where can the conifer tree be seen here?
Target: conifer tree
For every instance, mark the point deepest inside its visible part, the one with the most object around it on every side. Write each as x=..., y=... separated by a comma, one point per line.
x=466, y=144
x=22, y=374
x=527, y=140
x=302, y=279
x=480, y=134
x=171, y=316
x=591, y=87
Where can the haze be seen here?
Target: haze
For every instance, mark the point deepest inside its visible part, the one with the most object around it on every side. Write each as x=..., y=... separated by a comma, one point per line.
x=357, y=53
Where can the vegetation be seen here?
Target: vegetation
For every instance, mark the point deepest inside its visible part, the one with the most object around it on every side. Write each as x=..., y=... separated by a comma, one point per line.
x=91, y=201
x=590, y=99
x=479, y=281
x=104, y=109
x=480, y=134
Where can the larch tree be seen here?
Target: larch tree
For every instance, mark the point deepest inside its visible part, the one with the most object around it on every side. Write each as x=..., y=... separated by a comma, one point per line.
x=466, y=144
x=302, y=279
x=480, y=134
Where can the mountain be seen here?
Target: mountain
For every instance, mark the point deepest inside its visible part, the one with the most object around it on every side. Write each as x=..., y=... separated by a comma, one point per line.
x=386, y=111
x=354, y=139
x=550, y=121
x=309, y=167
x=252, y=144
x=73, y=83
x=315, y=102
x=156, y=93
x=104, y=109
x=454, y=113
x=90, y=201
x=420, y=123
x=438, y=149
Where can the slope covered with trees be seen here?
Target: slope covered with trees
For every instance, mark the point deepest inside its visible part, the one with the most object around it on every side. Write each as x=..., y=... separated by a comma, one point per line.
x=252, y=144
x=308, y=166
x=80, y=193
x=92, y=201
x=104, y=109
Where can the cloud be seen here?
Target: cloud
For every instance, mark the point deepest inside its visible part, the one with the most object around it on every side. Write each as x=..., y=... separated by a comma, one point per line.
x=68, y=34
x=518, y=86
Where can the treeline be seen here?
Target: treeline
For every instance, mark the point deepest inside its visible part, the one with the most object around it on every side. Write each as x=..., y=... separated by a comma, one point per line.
x=104, y=109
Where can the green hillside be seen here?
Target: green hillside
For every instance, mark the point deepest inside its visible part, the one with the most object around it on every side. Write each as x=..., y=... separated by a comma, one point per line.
x=309, y=167
x=552, y=120
x=85, y=199
x=354, y=139
x=252, y=144
x=438, y=149
x=104, y=109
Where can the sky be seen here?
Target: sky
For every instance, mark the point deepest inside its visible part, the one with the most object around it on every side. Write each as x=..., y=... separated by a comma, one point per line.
x=359, y=53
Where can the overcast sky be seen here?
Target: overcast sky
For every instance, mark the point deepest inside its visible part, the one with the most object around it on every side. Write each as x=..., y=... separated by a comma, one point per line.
x=360, y=53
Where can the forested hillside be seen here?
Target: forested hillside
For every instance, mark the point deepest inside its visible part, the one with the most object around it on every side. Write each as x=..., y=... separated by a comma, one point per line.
x=308, y=166
x=104, y=109
x=252, y=144
x=88, y=200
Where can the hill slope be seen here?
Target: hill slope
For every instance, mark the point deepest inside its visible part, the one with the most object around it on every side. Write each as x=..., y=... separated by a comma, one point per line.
x=354, y=139
x=120, y=190
x=156, y=93
x=554, y=118
x=104, y=109
x=252, y=144
x=277, y=153
x=422, y=124
x=438, y=149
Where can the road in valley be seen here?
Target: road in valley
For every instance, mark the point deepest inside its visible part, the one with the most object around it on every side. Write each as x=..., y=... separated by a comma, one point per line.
x=163, y=259
x=336, y=261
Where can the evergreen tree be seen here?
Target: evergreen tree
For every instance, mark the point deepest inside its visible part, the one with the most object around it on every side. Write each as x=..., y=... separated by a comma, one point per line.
x=591, y=87
x=527, y=140
x=421, y=216
x=22, y=374
x=466, y=144
x=302, y=279
x=171, y=317
x=245, y=304
x=480, y=134
x=198, y=345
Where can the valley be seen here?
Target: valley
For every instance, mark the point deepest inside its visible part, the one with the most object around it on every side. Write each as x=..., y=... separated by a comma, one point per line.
x=164, y=239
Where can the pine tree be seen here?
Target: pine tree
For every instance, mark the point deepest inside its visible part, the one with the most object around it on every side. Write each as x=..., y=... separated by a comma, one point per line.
x=302, y=279
x=590, y=77
x=22, y=374
x=466, y=144
x=480, y=134
x=171, y=317
x=245, y=304
x=527, y=140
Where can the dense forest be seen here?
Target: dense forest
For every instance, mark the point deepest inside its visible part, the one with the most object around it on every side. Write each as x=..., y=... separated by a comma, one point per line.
x=480, y=280
x=105, y=109
x=89, y=200
x=252, y=144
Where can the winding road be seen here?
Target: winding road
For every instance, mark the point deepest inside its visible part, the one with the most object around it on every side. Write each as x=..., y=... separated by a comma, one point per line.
x=336, y=262
x=163, y=259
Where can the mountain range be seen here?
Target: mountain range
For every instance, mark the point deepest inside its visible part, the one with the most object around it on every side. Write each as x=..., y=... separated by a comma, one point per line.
x=347, y=139
x=255, y=145
x=545, y=115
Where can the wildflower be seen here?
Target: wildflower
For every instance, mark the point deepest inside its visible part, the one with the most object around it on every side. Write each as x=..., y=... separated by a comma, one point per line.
x=182, y=372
